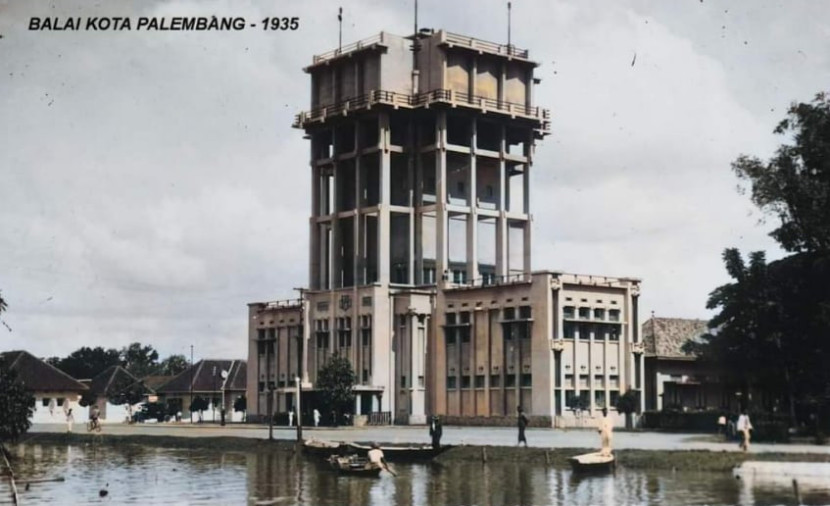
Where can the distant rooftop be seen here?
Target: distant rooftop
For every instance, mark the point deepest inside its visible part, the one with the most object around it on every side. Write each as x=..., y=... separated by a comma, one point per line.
x=664, y=337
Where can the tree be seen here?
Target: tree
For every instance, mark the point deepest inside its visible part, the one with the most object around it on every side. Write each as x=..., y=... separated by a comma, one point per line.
x=627, y=404
x=795, y=184
x=126, y=391
x=336, y=382
x=3, y=307
x=773, y=319
x=240, y=404
x=199, y=404
x=173, y=365
x=139, y=360
x=16, y=406
x=85, y=362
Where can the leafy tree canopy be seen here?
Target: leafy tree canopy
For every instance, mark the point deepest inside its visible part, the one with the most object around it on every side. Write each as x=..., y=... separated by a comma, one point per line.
x=173, y=365
x=199, y=404
x=86, y=363
x=140, y=360
x=336, y=381
x=240, y=404
x=16, y=406
x=628, y=402
x=794, y=184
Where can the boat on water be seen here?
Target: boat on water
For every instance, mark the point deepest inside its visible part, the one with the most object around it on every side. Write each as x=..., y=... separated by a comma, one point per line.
x=355, y=466
x=592, y=462
x=321, y=447
x=392, y=453
x=401, y=453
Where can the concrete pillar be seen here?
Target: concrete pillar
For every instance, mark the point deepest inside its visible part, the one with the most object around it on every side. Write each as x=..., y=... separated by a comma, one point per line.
x=384, y=227
x=501, y=221
x=441, y=216
x=417, y=335
x=472, y=218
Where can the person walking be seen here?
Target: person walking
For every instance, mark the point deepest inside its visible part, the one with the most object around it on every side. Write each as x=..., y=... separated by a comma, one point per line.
x=605, y=429
x=316, y=415
x=744, y=426
x=435, y=432
x=291, y=418
x=522, y=423
x=70, y=419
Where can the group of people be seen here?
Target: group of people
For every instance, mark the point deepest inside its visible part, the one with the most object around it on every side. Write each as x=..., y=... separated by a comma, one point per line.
x=742, y=428
x=315, y=415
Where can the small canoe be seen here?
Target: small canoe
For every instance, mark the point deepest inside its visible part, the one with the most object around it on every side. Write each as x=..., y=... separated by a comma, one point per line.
x=592, y=462
x=354, y=466
x=321, y=447
x=402, y=453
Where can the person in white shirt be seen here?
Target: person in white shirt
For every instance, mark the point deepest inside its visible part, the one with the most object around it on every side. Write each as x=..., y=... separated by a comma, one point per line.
x=376, y=456
x=605, y=429
x=744, y=426
x=316, y=418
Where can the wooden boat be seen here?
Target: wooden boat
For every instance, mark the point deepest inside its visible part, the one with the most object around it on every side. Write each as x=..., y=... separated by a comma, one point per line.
x=355, y=466
x=321, y=447
x=401, y=453
x=592, y=462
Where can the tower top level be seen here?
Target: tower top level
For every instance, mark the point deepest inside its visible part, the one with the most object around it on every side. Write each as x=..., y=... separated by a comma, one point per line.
x=422, y=70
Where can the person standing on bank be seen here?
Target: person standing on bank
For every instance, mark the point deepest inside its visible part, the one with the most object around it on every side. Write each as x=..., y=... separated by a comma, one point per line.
x=744, y=426
x=291, y=417
x=316, y=415
x=522, y=422
x=605, y=429
x=70, y=419
x=435, y=432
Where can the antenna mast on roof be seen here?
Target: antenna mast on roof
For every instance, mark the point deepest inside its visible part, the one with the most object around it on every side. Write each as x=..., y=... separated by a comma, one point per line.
x=340, y=31
x=509, y=7
x=416, y=46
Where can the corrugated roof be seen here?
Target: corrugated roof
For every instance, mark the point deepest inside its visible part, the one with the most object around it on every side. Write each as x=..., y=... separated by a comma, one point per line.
x=39, y=376
x=206, y=376
x=664, y=337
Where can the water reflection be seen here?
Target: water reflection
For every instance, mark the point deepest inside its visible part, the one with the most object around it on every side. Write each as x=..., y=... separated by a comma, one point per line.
x=144, y=474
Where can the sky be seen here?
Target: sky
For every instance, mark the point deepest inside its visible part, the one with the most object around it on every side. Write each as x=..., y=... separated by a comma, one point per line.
x=151, y=185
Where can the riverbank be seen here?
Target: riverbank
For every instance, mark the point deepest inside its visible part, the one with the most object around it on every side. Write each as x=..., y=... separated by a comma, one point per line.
x=679, y=460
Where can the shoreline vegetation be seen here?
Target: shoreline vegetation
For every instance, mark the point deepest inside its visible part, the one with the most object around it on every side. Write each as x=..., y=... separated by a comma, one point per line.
x=670, y=460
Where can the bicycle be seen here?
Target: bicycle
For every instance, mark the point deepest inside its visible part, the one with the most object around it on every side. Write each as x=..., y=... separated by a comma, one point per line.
x=93, y=425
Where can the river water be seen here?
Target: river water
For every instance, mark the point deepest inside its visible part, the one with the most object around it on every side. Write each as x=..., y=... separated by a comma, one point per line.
x=141, y=474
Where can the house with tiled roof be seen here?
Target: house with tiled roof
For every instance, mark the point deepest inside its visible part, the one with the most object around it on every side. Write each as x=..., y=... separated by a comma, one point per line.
x=673, y=378
x=55, y=391
x=220, y=382
x=108, y=390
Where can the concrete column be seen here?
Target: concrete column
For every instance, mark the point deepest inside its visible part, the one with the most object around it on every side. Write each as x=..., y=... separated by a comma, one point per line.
x=501, y=221
x=384, y=228
x=417, y=414
x=472, y=218
x=441, y=216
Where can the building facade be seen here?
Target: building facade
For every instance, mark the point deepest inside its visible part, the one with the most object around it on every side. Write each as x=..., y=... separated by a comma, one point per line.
x=419, y=248
x=676, y=380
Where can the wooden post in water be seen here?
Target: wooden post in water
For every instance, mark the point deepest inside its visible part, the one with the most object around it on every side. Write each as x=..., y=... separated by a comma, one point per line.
x=13, y=487
x=797, y=493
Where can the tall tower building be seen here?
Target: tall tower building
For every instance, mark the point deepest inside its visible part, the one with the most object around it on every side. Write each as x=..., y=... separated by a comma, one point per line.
x=419, y=242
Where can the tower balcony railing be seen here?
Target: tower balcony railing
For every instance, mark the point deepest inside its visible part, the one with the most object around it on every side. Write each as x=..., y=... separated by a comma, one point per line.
x=355, y=46
x=451, y=97
x=485, y=281
x=483, y=45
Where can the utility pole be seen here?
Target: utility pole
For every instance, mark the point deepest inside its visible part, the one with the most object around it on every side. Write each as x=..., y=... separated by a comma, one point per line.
x=269, y=404
x=190, y=408
x=300, y=361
